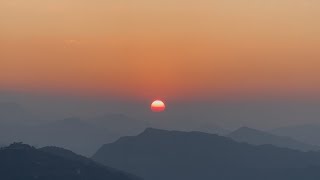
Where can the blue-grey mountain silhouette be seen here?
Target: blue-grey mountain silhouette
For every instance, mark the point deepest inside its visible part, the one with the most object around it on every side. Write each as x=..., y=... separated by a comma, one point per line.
x=83, y=136
x=258, y=137
x=23, y=162
x=308, y=133
x=172, y=155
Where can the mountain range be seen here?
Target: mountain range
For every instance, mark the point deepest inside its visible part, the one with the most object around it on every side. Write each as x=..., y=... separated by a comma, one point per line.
x=81, y=135
x=309, y=133
x=172, y=155
x=258, y=137
x=20, y=161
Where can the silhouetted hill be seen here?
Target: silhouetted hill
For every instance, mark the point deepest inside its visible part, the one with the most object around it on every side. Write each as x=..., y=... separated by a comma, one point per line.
x=172, y=155
x=65, y=153
x=23, y=162
x=257, y=137
x=308, y=133
x=84, y=135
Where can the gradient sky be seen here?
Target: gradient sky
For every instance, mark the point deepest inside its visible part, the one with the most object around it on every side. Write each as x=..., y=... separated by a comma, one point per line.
x=172, y=49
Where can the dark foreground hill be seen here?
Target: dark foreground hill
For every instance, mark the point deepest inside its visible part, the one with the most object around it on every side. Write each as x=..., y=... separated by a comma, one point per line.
x=23, y=162
x=257, y=137
x=171, y=155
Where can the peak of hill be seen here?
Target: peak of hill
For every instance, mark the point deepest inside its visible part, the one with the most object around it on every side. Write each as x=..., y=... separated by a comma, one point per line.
x=246, y=130
x=257, y=137
x=20, y=161
x=159, y=154
x=19, y=146
x=155, y=131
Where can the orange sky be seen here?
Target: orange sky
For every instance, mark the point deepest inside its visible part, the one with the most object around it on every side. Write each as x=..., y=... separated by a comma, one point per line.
x=167, y=48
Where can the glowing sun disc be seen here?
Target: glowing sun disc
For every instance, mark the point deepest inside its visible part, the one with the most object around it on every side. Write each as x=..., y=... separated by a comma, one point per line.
x=158, y=106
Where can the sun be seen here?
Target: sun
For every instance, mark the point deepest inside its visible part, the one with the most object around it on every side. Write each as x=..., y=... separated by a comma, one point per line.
x=158, y=106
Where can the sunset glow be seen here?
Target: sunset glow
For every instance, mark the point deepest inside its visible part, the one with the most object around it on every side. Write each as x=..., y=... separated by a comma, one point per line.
x=203, y=48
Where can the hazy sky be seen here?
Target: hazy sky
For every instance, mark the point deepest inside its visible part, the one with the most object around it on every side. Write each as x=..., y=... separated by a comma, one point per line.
x=172, y=49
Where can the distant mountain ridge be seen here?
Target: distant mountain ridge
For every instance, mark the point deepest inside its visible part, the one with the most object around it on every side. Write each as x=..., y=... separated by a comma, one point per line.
x=258, y=137
x=172, y=155
x=24, y=124
x=308, y=133
x=23, y=162
x=82, y=135
x=70, y=132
